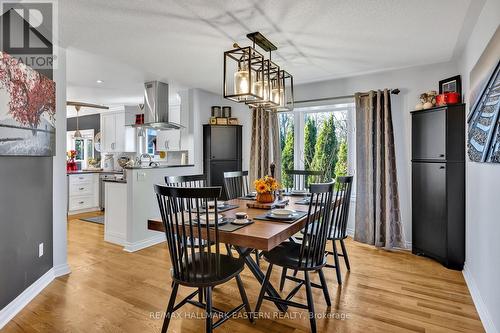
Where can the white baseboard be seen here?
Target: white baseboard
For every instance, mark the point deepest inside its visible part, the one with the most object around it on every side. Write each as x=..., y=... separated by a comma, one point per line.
x=481, y=308
x=136, y=246
x=13, y=308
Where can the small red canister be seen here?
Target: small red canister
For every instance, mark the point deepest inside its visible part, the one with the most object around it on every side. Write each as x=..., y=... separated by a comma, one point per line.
x=448, y=98
x=452, y=97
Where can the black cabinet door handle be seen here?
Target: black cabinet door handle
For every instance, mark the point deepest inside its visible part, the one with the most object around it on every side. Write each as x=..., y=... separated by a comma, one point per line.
x=441, y=167
x=441, y=155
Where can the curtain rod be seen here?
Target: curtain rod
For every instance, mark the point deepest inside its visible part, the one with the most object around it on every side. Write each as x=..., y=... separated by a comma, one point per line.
x=393, y=91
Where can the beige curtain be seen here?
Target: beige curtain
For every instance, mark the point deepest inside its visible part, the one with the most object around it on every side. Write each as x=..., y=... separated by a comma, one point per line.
x=260, y=145
x=378, y=217
x=276, y=153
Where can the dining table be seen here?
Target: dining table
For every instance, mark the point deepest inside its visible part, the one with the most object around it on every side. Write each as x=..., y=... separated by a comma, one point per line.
x=260, y=235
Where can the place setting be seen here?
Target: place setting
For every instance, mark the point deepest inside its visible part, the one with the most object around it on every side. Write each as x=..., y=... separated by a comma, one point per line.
x=225, y=223
x=282, y=215
x=222, y=206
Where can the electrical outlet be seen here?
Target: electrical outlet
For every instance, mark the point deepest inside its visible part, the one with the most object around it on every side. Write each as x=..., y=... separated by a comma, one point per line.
x=40, y=250
x=141, y=176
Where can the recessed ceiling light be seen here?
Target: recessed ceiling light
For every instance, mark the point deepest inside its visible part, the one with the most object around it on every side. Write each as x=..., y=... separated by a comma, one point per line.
x=99, y=81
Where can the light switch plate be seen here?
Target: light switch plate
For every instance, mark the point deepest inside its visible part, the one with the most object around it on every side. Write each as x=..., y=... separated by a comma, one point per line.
x=40, y=250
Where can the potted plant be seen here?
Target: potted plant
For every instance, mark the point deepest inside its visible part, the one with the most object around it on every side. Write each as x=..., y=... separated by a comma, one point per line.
x=266, y=187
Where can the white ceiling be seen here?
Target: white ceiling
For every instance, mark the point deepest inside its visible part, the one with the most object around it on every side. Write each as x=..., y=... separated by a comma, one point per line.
x=125, y=43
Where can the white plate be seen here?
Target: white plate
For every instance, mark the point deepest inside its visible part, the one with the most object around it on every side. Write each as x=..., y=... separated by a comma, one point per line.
x=211, y=217
x=241, y=221
x=220, y=204
x=283, y=212
x=281, y=217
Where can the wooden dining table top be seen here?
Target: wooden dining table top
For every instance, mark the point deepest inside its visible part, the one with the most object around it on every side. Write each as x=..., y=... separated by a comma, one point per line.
x=262, y=234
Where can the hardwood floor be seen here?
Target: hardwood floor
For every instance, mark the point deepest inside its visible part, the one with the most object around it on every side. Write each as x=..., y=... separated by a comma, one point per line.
x=110, y=290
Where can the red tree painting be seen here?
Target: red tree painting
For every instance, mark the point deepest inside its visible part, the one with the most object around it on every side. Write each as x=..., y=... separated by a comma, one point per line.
x=31, y=94
x=27, y=110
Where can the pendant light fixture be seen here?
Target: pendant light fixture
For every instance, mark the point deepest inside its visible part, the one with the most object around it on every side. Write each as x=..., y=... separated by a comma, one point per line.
x=77, y=134
x=78, y=106
x=255, y=81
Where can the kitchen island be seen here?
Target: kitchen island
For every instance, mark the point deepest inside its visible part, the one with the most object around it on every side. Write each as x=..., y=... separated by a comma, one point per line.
x=130, y=203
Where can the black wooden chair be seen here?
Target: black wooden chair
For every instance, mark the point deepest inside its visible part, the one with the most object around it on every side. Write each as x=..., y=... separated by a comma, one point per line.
x=338, y=231
x=236, y=184
x=301, y=179
x=340, y=218
x=197, y=267
x=307, y=256
x=186, y=181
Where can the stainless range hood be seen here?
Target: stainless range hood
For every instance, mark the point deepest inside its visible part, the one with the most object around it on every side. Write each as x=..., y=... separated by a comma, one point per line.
x=156, y=107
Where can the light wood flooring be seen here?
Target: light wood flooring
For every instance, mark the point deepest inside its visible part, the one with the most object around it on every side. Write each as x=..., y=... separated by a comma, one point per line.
x=110, y=290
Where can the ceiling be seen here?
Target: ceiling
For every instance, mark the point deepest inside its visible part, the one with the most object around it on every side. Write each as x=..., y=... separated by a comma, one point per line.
x=125, y=43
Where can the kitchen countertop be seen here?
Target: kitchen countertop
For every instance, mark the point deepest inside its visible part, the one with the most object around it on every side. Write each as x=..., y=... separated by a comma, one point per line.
x=159, y=167
x=81, y=172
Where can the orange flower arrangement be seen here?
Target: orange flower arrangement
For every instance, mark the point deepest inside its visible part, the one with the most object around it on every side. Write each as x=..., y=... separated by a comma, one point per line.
x=266, y=184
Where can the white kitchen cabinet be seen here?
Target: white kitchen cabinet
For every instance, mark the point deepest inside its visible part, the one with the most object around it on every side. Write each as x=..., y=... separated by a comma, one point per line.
x=83, y=192
x=170, y=139
x=115, y=136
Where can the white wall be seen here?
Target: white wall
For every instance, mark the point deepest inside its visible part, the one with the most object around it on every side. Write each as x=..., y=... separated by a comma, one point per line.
x=482, y=263
x=201, y=102
x=412, y=82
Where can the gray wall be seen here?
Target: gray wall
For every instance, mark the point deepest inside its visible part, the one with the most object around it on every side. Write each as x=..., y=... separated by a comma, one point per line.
x=25, y=221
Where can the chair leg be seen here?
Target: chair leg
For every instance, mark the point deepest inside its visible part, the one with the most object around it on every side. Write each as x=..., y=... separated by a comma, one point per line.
x=283, y=278
x=244, y=298
x=209, y=324
x=257, y=257
x=228, y=249
x=200, y=295
x=310, y=303
x=344, y=252
x=263, y=289
x=170, y=307
x=324, y=287
x=337, y=265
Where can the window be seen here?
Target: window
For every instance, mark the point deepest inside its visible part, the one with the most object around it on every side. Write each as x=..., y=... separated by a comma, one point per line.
x=151, y=142
x=84, y=147
x=317, y=138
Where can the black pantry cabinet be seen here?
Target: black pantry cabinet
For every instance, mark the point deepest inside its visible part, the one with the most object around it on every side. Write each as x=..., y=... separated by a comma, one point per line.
x=222, y=152
x=438, y=184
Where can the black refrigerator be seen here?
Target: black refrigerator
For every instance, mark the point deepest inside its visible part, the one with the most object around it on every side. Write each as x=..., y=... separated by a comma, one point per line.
x=438, y=184
x=222, y=152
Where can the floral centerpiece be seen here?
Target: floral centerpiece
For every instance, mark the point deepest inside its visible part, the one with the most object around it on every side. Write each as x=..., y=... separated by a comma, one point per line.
x=266, y=187
x=70, y=163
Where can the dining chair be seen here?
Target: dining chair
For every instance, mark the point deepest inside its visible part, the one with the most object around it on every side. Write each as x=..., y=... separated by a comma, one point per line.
x=301, y=179
x=186, y=181
x=236, y=184
x=340, y=218
x=338, y=231
x=204, y=267
x=307, y=256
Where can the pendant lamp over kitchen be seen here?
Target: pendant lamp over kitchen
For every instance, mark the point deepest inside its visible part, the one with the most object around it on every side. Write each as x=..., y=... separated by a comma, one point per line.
x=258, y=82
x=78, y=134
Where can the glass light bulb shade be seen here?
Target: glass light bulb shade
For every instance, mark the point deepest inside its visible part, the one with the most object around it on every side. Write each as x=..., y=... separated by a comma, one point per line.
x=276, y=95
x=77, y=135
x=241, y=81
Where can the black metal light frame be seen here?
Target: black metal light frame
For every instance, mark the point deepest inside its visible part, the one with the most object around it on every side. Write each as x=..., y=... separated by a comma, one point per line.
x=254, y=62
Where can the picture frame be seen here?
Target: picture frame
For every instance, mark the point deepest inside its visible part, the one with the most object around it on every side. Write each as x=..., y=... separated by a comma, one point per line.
x=451, y=84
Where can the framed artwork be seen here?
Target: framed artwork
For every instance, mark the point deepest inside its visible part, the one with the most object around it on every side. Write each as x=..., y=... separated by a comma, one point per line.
x=452, y=84
x=27, y=110
x=483, y=142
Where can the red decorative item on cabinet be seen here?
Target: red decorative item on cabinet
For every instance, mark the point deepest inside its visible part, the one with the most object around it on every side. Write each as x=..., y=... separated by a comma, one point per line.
x=448, y=98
